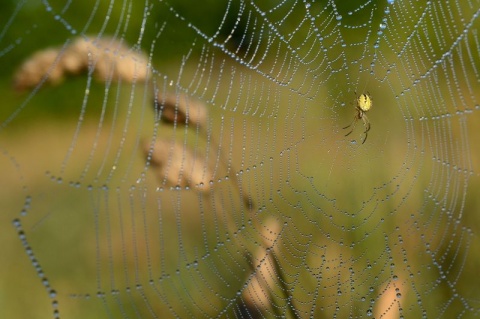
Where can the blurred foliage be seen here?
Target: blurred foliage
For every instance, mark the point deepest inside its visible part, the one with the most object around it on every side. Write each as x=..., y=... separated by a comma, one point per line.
x=47, y=120
x=27, y=30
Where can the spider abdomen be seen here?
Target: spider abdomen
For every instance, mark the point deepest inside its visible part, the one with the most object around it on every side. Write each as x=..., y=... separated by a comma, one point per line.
x=364, y=102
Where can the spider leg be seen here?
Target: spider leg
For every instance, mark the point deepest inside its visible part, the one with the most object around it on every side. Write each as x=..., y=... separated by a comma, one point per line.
x=366, y=123
x=354, y=122
x=349, y=124
x=366, y=135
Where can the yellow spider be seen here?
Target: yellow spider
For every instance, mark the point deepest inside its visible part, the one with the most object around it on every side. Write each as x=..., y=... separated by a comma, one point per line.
x=364, y=104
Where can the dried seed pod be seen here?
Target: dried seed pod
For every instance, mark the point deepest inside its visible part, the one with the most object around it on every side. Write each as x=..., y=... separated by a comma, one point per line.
x=180, y=109
x=257, y=294
x=108, y=57
x=45, y=63
x=389, y=303
x=177, y=165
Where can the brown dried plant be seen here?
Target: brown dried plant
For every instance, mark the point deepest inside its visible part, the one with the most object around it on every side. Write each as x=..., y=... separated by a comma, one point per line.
x=258, y=296
x=34, y=69
x=108, y=58
x=176, y=165
x=180, y=109
x=390, y=301
x=257, y=293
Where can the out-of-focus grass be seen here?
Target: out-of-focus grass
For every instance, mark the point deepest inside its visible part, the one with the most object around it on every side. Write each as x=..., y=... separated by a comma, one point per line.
x=319, y=191
x=307, y=175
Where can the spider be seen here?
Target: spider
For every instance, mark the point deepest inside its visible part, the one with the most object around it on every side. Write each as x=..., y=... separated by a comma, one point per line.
x=364, y=104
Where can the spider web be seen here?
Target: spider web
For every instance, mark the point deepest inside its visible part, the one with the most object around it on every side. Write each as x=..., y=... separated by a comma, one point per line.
x=173, y=159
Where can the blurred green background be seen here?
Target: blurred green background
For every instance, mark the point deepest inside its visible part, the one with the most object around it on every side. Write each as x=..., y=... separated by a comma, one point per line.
x=399, y=211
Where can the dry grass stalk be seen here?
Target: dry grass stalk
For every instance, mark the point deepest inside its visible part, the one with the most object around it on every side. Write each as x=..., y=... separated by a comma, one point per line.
x=390, y=301
x=108, y=57
x=257, y=295
x=180, y=109
x=177, y=165
x=34, y=69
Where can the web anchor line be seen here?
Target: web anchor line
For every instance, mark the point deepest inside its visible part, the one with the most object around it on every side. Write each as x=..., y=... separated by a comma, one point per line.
x=39, y=270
